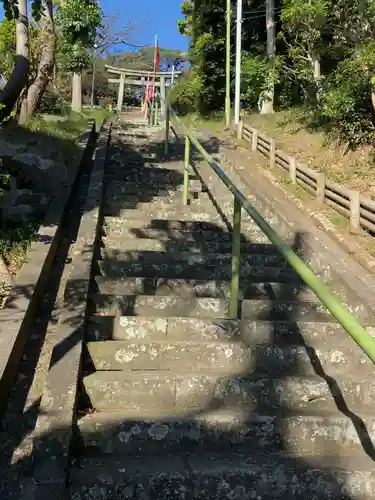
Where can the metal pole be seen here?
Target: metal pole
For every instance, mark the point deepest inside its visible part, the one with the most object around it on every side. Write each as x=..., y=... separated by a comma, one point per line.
x=186, y=171
x=238, y=63
x=156, y=116
x=227, y=83
x=166, y=129
x=154, y=77
x=236, y=259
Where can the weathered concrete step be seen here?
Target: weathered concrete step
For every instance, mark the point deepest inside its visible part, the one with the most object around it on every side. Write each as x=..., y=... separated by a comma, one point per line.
x=185, y=214
x=226, y=358
x=195, y=244
x=145, y=199
x=119, y=224
x=165, y=306
x=138, y=186
x=204, y=272
x=199, y=288
x=154, y=172
x=320, y=336
x=117, y=390
x=163, y=231
x=162, y=210
x=225, y=429
x=123, y=258
x=210, y=476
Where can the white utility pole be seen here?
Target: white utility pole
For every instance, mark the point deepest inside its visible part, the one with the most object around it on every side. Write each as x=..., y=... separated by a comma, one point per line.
x=269, y=93
x=238, y=63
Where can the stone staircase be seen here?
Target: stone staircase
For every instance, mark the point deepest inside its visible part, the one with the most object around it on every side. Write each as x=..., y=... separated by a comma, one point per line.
x=178, y=401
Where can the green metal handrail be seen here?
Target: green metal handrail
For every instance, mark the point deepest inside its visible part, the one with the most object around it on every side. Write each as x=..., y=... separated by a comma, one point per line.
x=324, y=294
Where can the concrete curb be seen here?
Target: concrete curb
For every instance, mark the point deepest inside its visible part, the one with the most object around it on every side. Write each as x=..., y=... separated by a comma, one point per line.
x=27, y=291
x=53, y=431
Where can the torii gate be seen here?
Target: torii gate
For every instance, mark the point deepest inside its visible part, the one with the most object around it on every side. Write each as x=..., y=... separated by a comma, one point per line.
x=134, y=77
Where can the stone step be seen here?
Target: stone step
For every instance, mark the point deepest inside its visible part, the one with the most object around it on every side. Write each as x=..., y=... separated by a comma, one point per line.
x=192, y=213
x=144, y=199
x=185, y=224
x=174, y=208
x=196, y=244
x=154, y=172
x=141, y=390
x=226, y=358
x=163, y=231
x=199, y=288
x=204, y=272
x=110, y=255
x=199, y=307
x=207, y=476
x=138, y=186
x=224, y=429
x=275, y=333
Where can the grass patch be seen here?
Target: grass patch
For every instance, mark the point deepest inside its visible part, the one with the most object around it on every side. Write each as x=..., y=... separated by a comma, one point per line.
x=15, y=241
x=296, y=135
x=213, y=122
x=67, y=131
x=46, y=138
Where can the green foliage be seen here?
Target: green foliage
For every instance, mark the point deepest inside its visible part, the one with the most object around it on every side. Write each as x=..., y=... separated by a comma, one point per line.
x=184, y=94
x=7, y=46
x=185, y=25
x=346, y=102
x=11, y=9
x=254, y=79
x=78, y=21
x=52, y=103
x=4, y=178
x=255, y=74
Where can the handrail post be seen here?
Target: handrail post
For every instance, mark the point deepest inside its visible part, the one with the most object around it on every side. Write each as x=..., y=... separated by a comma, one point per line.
x=186, y=171
x=166, y=108
x=236, y=259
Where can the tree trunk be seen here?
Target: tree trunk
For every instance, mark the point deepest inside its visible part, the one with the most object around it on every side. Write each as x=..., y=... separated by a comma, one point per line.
x=18, y=77
x=317, y=75
x=45, y=67
x=373, y=98
x=77, y=91
x=268, y=96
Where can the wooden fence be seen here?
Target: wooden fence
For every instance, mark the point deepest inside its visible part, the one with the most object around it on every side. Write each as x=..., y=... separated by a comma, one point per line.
x=349, y=203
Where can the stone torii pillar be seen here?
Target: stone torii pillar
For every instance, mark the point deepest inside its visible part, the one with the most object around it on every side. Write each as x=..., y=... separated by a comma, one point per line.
x=120, y=95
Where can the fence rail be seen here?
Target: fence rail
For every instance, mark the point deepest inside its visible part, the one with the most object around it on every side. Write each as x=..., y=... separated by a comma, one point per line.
x=359, y=210
x=240, y=203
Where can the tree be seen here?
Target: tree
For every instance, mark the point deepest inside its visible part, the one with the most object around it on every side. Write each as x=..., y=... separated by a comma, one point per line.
x=185, y=25
x=18, y=77
x=47, y=36
x=79, y=21
x=305, y=22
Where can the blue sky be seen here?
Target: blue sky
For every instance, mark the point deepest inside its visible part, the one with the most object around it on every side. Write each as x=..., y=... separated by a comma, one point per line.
x=151, y=17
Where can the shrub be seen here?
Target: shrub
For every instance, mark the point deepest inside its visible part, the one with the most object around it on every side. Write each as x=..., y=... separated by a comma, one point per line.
x=184, y=94
x=346, y=102
x=52, y=104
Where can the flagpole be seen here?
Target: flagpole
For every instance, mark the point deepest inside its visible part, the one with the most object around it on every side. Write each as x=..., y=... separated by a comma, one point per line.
x=153, y=88
x=146, y=95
